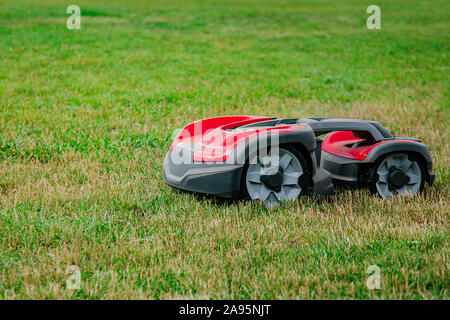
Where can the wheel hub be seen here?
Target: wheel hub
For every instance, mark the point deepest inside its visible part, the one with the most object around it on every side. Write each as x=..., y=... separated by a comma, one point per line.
x=397, y=178
x=273, y=178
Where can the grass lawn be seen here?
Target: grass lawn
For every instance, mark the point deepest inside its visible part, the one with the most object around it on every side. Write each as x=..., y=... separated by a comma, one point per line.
x=86, y=117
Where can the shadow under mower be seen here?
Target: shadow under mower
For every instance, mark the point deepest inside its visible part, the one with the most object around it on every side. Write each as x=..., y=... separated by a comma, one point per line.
x=273, y=160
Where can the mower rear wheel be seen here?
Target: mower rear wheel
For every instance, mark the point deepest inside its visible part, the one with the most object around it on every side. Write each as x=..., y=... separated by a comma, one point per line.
x=397, y=174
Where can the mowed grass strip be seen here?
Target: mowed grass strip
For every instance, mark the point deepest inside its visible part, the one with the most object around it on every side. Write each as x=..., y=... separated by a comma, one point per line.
x=87, y=117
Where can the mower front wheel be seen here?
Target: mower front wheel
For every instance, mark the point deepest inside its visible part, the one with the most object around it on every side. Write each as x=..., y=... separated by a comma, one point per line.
x=275, y=177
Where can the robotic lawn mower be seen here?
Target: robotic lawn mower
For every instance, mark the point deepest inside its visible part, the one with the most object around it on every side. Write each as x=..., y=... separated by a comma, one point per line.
x=274, y=160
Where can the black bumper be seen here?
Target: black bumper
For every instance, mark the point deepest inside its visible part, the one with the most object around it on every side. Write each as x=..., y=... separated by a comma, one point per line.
x=218, y=179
